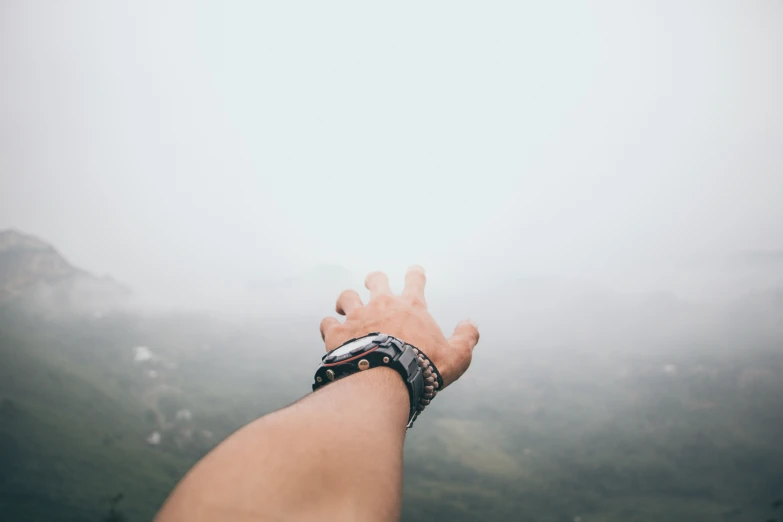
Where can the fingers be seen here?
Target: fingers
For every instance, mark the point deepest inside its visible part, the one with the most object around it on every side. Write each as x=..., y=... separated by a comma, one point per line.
x=462, y=341
x=348, y=301
x=414, y=283
x=327, y=324
x=378, y=284
x=465, y=336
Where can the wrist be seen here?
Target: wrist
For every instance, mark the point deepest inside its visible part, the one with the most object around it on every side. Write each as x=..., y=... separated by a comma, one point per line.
x=379, y=395
x=378, y=350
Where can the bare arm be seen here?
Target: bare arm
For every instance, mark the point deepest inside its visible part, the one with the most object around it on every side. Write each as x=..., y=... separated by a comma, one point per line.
x=337, y=453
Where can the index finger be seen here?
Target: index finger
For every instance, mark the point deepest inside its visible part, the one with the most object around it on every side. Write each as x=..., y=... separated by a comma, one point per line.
x=378, y=284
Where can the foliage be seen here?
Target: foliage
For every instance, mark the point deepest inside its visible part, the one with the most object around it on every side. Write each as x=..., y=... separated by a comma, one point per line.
x=637, y=430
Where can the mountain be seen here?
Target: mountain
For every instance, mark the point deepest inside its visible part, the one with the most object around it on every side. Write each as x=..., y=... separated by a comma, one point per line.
x=35, y=274
x=581, y=404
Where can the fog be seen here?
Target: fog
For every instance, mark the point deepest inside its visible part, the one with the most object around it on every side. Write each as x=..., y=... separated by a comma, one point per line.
x=599, y=185
x=203, y=153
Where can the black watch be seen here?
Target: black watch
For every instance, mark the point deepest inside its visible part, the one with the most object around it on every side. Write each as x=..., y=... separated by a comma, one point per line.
x=377, y=349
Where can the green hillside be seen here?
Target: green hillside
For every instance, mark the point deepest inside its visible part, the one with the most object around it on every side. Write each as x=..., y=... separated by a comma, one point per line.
x=687, y=431
x=71, y=430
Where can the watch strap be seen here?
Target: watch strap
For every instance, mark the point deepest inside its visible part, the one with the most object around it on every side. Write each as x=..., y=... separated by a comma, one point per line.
x=419, y=373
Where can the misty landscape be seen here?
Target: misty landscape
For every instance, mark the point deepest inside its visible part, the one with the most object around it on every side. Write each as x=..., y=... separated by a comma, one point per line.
x=186, y=188
x=600, y=406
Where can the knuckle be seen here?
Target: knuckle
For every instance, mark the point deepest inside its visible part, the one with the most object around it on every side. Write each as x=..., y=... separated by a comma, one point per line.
x=471, y=332
x=347, y=299
x=345, y=294
x=462, y=361
x=417, y=302
x=332, y=332
x=384, y=299
x=464, y=347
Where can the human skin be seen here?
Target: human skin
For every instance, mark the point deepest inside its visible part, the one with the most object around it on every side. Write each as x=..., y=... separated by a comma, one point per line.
x=335, y=454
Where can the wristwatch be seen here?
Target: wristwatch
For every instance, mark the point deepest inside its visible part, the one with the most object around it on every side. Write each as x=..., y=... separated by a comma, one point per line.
x=420, y=375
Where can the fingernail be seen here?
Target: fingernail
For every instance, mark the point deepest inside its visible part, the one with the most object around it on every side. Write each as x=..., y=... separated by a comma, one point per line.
x=413, y=268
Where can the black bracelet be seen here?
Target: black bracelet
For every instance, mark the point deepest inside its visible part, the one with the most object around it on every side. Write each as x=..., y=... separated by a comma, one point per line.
x=373, y=350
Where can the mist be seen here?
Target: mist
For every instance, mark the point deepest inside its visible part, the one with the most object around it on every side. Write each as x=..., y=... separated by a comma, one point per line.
x=194, y=152
x=185, y=189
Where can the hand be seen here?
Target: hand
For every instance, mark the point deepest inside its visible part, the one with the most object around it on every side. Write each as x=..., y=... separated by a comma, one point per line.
x=405, y=317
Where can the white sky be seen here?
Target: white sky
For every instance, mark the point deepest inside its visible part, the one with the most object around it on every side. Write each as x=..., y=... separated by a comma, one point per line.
x=190, y=150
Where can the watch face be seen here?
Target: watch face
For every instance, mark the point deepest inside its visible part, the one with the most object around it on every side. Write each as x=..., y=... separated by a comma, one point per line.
x=350, y=346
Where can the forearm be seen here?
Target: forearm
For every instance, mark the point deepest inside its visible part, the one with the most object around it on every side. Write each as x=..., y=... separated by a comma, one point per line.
x=334, y=455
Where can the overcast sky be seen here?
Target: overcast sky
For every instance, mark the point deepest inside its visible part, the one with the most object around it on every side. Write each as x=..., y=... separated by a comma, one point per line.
x=193, y=149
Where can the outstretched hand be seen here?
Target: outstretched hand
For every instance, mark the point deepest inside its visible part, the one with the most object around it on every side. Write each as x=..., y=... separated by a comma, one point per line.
x=403, y=316
x=264, y=470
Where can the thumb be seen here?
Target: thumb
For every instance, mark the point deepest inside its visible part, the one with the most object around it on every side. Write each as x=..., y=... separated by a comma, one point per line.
x=465, y=336
x=462, y=342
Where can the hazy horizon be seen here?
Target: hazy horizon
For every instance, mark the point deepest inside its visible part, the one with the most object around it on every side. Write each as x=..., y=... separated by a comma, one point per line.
x=194, y=151
x=598, y=185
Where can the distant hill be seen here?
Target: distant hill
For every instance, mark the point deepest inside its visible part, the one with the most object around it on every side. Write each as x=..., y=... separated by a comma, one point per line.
x=582, y=404
x=34, y=273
